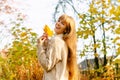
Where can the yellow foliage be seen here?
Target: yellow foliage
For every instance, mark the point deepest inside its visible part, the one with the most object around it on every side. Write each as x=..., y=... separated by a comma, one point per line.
x=96, y=45
x=81, y=16
x=23, y=34
x=102, y=12
x=98, y=2
x=109, y=0
x=102, y=20
x=118, y=49
x=118, y=44
x=47, y=30
x=96, y=54
x=112, y=10
x=92, y=9
x=85, y=36
x=116, y=39
x=117, y=31
x=82, y=54
x=117, y=11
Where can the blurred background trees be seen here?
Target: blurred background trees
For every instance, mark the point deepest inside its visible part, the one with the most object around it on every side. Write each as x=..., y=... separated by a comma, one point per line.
x=98, y=31
x=18, y=60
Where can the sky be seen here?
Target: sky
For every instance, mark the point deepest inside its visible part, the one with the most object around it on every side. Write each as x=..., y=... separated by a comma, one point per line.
x=39, y=13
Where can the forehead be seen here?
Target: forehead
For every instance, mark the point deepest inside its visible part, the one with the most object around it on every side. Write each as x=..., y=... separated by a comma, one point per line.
x=63, y=18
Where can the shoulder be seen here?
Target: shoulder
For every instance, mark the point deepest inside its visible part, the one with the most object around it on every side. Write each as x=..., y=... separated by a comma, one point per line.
x=57, y=41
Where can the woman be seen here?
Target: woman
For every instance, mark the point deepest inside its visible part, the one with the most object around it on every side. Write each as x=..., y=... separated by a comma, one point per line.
x=58, y=54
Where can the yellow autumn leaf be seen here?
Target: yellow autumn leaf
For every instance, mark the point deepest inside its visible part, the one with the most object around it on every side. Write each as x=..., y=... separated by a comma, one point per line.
x=112, y=10
x=117, y=12
x=47, y=30
x=23, y=34
x=117, y=31
x=102, y=12
x=102, y=20
x=92, y=9
x=98, y=2
x=118, y=44
x=85, y=36
x=118, y=50
x=82, y=54
x=96, y=45
x=116, y=39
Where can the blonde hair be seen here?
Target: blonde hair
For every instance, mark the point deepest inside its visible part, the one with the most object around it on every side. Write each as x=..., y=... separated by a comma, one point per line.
x=70, y=39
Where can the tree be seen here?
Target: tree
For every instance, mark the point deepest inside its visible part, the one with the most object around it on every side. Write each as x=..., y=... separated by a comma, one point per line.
x=8, y=14
x=21, y=62
x=100, y=24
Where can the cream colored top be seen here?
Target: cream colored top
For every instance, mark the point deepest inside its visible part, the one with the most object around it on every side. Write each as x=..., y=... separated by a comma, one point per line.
x=53, y=59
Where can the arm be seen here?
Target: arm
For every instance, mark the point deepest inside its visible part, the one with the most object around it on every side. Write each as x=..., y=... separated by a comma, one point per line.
x=50, y=56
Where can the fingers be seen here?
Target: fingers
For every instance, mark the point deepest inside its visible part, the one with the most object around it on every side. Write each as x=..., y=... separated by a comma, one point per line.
x=45, y=35
x=42, y=39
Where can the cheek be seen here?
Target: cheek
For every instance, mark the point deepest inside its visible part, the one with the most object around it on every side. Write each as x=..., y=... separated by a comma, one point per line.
x=62, y=30
x=58, y=31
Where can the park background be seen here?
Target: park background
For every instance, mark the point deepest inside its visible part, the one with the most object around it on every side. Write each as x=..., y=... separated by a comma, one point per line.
x=97, y=25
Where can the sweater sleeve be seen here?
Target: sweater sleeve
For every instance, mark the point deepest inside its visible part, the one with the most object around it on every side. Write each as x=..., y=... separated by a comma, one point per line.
x=49, y=57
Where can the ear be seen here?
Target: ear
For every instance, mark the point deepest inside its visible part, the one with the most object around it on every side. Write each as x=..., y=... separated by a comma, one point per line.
x=65, y=32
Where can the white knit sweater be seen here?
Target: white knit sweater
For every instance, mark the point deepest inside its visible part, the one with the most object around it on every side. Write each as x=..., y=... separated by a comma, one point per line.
x=53, y=58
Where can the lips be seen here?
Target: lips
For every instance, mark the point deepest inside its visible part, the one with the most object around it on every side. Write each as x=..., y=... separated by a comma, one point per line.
x=57, y=27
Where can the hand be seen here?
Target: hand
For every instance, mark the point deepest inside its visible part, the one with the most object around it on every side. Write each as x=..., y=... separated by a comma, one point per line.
x=43, y=39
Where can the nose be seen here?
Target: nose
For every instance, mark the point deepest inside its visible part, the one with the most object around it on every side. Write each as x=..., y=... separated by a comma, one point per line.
x=57, y=23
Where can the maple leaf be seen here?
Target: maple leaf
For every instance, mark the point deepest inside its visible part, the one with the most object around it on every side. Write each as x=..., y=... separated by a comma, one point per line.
x=47, y=30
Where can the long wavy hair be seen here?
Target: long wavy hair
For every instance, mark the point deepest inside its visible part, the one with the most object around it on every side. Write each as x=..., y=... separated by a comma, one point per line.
x=70, y=38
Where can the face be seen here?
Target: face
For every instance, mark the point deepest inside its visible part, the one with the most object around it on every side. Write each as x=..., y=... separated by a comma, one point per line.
x=60, y=27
